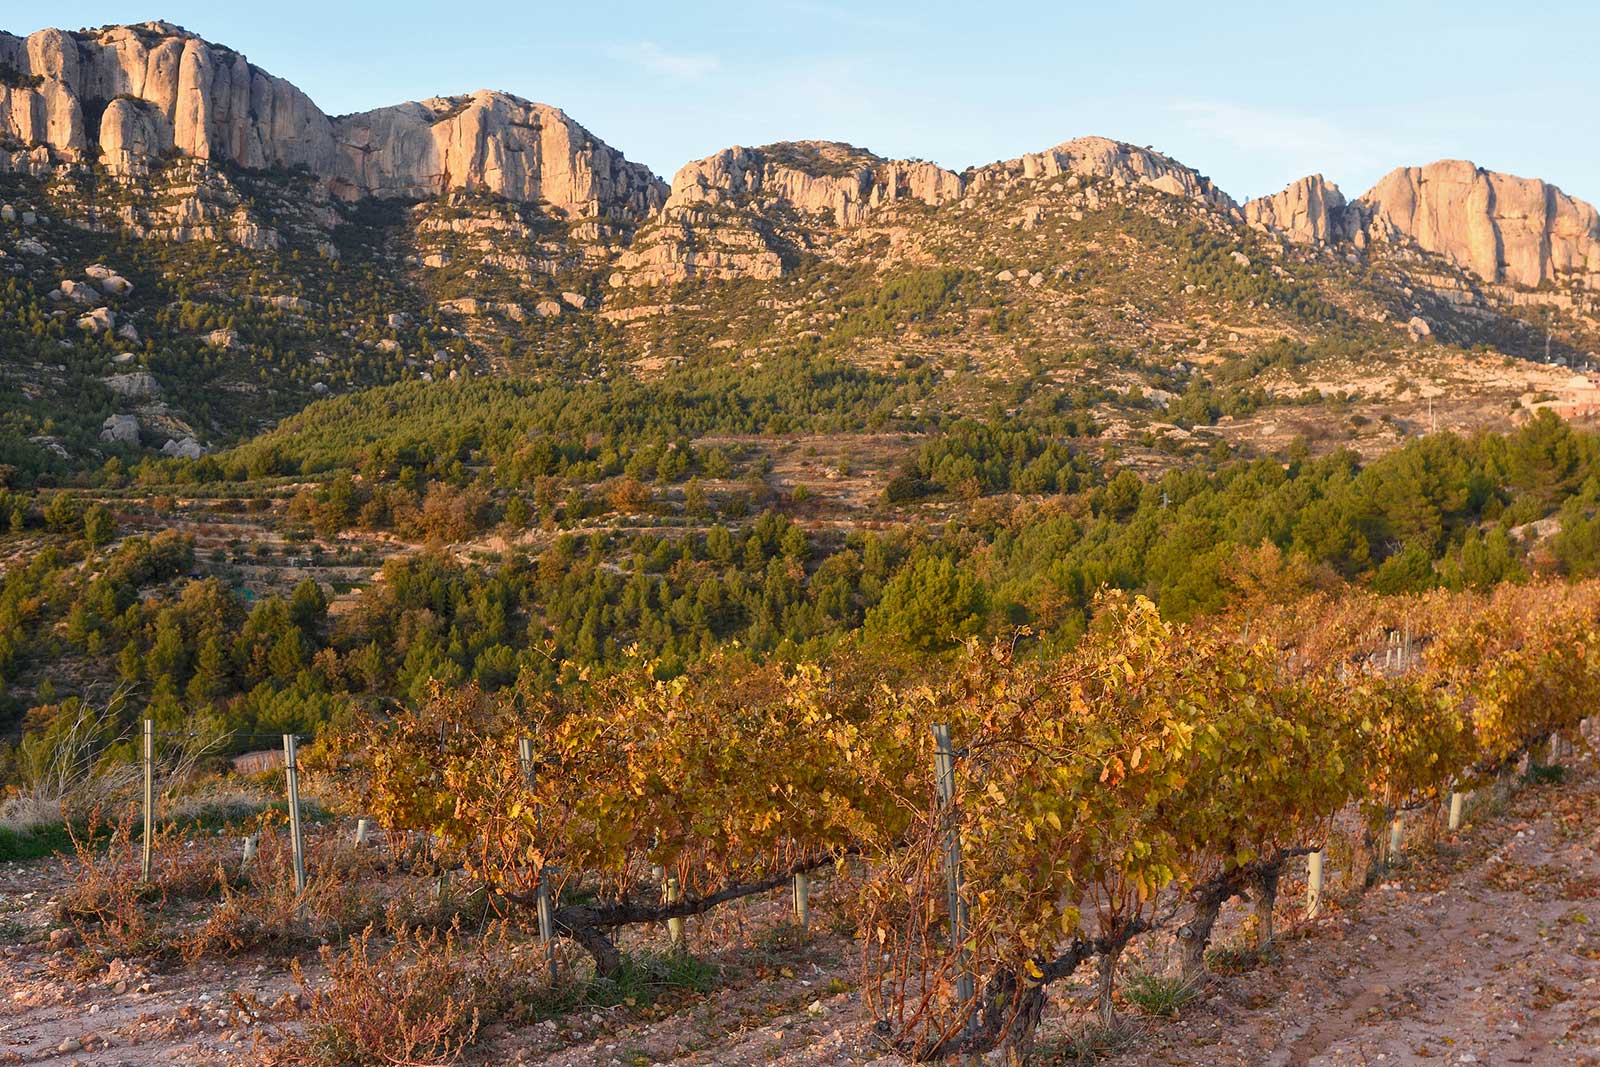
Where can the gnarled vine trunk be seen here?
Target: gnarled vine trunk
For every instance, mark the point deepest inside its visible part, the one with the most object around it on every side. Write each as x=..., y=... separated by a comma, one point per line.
x=1265, y=883
x=1194, y=936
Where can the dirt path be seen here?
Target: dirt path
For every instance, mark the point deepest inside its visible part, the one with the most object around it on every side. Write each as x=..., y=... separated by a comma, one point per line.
x=1483, y=950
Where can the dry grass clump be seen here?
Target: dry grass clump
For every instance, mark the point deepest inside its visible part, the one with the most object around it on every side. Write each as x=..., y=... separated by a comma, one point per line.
x=424, y=998
x=421, y=1000
x=202, y=901
x=107, y=903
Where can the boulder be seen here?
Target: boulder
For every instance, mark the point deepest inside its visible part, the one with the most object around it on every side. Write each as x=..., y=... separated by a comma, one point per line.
x=78, y=292
x=134, y=385
x=121, y=429
x=574, y=300
x=188, y=448
x=98, y=320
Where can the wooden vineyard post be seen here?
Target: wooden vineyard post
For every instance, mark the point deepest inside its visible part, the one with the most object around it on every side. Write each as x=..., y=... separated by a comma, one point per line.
x=1314, y=884
x=802, y=900
x=547, y=932
x=944, y=767
x=1397, y=832
x=149, y=796
x=674, y=926
x=1458, y=802
x=297, y=841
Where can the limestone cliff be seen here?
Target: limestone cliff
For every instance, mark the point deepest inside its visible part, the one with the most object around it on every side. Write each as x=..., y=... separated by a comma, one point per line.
x=812, y=176
x=1503, y=228
x=133, y=95
x=494, y=142
x=1121, y=164
x=154, y=89
x=1310, y=211
x=133, y=98
x=737, y=213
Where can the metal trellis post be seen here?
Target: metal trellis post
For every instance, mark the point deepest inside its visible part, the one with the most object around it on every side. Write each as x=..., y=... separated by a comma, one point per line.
x=944, y=765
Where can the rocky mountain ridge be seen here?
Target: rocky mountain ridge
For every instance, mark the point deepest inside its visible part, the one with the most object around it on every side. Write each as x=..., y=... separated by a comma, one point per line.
x=278, y=254
x=132, y=97
x=1520, y=231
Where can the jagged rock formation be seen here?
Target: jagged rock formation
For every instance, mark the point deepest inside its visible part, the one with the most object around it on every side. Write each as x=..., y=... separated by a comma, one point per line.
x=1502, y=228
x=493, y=142
x=1310, y=211
x=133, y=98
x=133, y=95
x=813, y=176
x=726, y=215
x=1121, y=164
x=183, y=95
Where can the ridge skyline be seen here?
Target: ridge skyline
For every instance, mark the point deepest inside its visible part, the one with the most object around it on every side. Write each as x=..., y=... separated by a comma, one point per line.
x=1251, y=143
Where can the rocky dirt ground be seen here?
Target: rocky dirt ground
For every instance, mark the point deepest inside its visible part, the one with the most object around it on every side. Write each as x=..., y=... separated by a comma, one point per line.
x=1482, y=948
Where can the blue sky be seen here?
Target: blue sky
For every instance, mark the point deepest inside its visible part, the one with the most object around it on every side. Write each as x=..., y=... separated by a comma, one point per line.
x=1253, y=94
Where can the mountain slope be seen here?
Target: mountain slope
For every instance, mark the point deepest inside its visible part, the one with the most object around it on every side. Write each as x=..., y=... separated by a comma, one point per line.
x=274, y=254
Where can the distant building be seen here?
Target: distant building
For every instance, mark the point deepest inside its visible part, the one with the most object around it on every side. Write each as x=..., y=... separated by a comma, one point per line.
x=1578, y=398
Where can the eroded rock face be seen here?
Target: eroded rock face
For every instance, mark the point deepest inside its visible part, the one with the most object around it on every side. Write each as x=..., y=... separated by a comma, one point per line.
x=727, y=214
x=1519, y=231
x=1310, y=211
x=180, y=93
x=132, y=133
x=812, y=177
x=1122, y=164
x=494, y=142
x=135, y=94
x=1501, y=227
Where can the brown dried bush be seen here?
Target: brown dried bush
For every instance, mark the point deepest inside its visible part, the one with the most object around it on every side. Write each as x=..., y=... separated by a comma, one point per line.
x=416, y=1002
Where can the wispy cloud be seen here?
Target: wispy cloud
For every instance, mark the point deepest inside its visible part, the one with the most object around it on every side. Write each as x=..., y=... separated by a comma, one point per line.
x=1303, y=143
x=665, y=63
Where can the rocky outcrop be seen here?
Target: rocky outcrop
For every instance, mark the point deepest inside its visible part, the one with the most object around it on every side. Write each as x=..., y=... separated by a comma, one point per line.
x=133, y=95
x=134, y=385
x=120, y=430
x=496, y=143
x=813, y=177
x=1310, y=211
x=132, y=134
x=733, y=214
x=1121, y=164
x=1502, y=228
x=183, y=94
